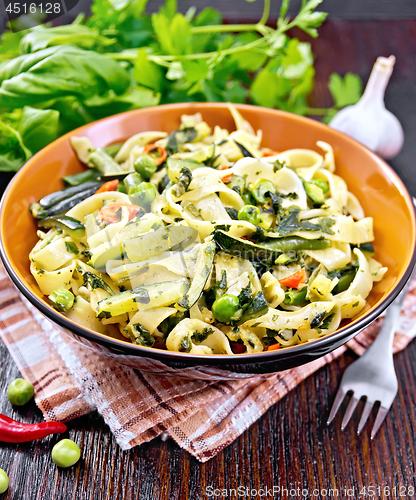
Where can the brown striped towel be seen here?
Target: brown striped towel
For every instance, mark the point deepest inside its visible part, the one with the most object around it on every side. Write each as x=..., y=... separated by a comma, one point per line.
x=202, y=416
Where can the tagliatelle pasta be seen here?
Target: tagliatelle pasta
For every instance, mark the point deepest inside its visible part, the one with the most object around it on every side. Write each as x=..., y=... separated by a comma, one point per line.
x=203, y=241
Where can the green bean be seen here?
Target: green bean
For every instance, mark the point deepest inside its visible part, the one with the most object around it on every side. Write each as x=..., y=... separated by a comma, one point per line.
x=103, y=162
x=66, y=453
x=113, y=149
x=132, y=180
x=248, y=198
x=20, y=392
x=296, y=243
x=62, y=300
x=296, y=297
x=85, y=176
x=344, y=282
x=320, y=183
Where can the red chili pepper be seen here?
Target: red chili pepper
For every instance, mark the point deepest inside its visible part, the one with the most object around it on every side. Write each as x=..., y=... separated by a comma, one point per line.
x=227, y=178
x=158, y=153
x=238, y=348
x=224, y=167
x=12, y=431
x=109, y=213
x=294, y=280
x=108, y=186
x=273, y=347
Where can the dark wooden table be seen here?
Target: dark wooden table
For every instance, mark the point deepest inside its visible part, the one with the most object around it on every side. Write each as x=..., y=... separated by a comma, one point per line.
x=290, y=447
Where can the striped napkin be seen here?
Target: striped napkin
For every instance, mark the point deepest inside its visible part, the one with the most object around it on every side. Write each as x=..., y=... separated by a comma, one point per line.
x=202, y=416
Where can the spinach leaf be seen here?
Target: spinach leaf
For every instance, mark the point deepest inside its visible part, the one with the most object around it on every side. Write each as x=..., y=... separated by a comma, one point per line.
x=140, y=335
x=58, y=72
x=200, y=335
x=13, y=152
x=73, y=34
x=291, y=224
x=39, y=127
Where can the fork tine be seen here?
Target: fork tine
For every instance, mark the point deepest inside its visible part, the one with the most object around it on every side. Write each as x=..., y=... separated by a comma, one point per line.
x=350, y=410
x=364, y=415
x=337, y=403
x=381, y=415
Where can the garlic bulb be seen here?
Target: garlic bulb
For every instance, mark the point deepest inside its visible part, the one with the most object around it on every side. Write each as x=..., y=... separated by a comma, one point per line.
x=369, y=121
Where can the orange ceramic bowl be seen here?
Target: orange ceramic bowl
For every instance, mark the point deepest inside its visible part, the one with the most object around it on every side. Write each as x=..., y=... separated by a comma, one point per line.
x=381, y=193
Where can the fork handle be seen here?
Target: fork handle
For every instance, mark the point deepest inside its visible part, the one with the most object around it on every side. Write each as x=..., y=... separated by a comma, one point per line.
x=384, y=340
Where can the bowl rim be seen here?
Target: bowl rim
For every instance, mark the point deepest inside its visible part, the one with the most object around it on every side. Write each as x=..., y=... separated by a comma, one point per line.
x=122, y=346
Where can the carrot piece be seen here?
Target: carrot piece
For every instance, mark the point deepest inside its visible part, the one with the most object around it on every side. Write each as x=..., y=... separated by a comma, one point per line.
x=273, y=347
x=227, y=178
x=294, y=280
x=270, y=152
x=108, y=186
x=109, y=213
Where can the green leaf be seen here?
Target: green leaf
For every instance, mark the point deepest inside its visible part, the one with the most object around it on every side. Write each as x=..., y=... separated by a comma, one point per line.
x=263, y=89
x=173, y=34
x=9, y=45
x=208, y=17
x=169, y=9
x=284, y=7
x=13, y=153
x=195, y=70
x=345, y=91
x=308, y=20
x=248, y=60
x=38, y=127
x=74, y=34
x=235, y=92
x=147, y=73
x=58, y=72
x=138, y=97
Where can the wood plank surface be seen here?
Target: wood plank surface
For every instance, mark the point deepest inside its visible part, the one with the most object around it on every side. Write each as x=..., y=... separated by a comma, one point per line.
x=290, y=447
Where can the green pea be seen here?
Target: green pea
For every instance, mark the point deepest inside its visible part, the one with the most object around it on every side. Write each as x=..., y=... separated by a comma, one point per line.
x=62, y=299
x=143, y=194
x=261, y=190
x=249, y=213
x=66, y=453
x=146, y=166
x=4, y=481
x=225, y=307
x=20, y=391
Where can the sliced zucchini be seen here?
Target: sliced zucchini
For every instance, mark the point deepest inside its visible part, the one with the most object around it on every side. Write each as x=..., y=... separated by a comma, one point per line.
x=73, y=227
x=149, y=245
x=54, y=198
x=175, y=165
x=173, y=238
x=204, y=264
x=266, y=251
x=143, y=297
